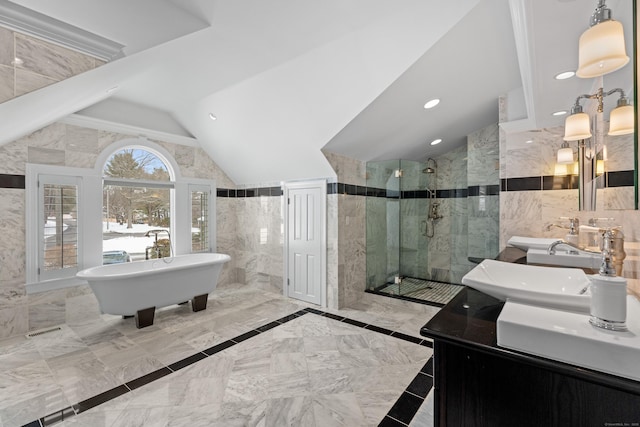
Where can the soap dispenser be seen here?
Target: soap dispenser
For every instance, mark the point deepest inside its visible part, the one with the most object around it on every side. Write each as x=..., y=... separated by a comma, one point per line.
x=572, y=236
x=608, y=292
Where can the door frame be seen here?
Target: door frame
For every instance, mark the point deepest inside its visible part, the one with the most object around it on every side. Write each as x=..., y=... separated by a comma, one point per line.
x=297, y=185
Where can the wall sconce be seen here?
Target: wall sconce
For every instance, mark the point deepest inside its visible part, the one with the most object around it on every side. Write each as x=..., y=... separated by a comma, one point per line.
x=565, y=154
x=578, y=125
x=601, y=51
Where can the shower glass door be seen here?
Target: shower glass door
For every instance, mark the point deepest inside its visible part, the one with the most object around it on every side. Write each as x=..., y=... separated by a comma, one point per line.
x=383, y=225
x=412, y=223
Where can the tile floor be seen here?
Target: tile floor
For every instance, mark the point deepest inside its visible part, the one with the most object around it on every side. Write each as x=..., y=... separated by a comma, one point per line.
x=308, y=370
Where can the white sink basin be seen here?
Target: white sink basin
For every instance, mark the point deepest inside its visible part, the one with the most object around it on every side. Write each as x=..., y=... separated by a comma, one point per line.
x=554, y=287
x=564, y=258
x=526, y=243
x=569, y=337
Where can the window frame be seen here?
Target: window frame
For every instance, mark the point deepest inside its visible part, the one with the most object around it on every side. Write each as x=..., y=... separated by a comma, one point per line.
x=90, y=213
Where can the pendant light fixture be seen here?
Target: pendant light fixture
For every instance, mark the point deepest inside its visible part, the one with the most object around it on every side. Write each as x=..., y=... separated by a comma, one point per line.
x=601, y=48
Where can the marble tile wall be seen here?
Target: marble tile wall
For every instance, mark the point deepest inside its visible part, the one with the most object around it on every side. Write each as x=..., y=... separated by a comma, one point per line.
x=259, y=241
x=346, y=233
x=67, y=145
x=483, y=167
x=28, y=64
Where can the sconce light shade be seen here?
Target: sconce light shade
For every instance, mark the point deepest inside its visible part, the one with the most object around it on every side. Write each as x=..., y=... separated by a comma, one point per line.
x=621, y=120
x=601, y=50
x=576, y=127
x=565, y=154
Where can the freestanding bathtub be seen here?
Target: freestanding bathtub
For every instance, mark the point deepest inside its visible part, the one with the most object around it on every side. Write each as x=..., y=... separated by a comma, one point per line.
x=138, y=288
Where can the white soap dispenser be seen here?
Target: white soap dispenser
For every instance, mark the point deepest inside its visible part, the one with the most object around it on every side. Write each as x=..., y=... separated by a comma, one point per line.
x=608, y=292
x=572, y=236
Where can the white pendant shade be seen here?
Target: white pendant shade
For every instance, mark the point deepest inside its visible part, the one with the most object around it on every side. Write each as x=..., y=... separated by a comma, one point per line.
x=577, y=127
x=621, y=120
x=601, y=50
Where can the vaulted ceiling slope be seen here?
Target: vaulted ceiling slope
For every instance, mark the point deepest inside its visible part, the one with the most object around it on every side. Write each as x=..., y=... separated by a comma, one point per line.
x=286, y=78
x=282, y=76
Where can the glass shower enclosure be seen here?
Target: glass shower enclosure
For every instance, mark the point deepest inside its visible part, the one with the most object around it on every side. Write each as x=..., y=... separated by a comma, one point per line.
x=397, y=202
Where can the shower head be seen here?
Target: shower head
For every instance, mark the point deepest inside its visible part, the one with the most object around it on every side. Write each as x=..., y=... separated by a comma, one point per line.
x=430, y=169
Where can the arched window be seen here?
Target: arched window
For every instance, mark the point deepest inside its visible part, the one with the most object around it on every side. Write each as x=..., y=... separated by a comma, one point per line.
x=136, y=206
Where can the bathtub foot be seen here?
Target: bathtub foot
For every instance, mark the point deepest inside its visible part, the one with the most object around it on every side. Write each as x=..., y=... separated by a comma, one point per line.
x=199, y=303
x=144, y=317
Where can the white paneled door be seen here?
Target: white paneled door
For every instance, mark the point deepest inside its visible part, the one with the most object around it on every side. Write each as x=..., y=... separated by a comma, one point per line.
x=306, y=241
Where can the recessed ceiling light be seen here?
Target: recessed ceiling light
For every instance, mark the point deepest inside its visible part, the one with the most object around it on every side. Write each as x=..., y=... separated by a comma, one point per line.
x=529, y=141
x=436, y=141
x=565, y=75
x=432, y=103
x=559, y=113
x=212, y=116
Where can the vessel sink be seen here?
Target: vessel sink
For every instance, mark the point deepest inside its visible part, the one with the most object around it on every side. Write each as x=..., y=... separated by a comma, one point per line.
x=526, y=243
x=569, y=337
x=564, y=258
x=554, y=287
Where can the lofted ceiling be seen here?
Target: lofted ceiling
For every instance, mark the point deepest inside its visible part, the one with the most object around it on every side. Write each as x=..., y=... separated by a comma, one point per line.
x=288, y=78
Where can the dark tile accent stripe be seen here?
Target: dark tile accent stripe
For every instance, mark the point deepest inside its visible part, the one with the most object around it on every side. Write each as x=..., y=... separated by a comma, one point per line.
x=355, y=322
x=405, y=402
x=524, y=184
x=405, y=407
x=420, y=385
x=406, y=337
x=390, y=422
x=379, y=329
x=187, y=361
x=484, y=190
x=12, y=181
x=268, y=326
x=620, y=179
x=219, y=347
x=428, y=367
x=552, y=182
x=249, y=192
x=57, y=417
x=146, y=379
x=245, y=336
x=100, y=398
x=563, y=182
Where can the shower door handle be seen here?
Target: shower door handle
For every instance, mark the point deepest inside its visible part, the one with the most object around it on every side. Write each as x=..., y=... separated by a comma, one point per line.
x=423, y=227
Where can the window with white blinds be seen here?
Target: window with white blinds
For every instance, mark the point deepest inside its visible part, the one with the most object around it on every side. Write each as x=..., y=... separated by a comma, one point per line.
x=200, y=218
x=58, y=234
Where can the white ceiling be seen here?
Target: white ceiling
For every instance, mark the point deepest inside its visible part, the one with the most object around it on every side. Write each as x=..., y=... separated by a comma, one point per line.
x=287, y=78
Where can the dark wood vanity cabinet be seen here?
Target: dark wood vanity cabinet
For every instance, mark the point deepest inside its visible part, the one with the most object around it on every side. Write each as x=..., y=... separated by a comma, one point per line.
x=477, y=383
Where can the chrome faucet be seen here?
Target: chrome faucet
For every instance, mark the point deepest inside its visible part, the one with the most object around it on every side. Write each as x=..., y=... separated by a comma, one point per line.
x=612, y=251
x=551, y=250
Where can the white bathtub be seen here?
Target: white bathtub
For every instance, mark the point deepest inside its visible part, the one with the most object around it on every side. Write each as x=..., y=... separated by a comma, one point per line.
x=128, y=289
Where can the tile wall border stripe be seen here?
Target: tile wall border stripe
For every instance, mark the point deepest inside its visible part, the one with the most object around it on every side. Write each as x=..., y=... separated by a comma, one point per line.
x=78, y=408
x=12, y=181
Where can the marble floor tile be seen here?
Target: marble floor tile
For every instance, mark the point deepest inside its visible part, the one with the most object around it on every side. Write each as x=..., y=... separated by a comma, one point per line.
x=310, y=370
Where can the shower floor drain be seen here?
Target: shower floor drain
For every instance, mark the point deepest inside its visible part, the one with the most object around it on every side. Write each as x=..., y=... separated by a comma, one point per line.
x=43, y=331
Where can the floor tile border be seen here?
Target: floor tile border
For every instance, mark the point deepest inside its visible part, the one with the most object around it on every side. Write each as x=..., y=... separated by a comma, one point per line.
x=401, y=403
